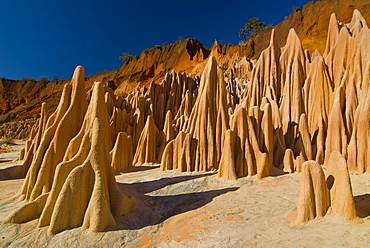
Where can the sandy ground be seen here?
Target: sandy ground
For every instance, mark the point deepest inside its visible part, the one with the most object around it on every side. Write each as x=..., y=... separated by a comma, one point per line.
x=199, y=210
x=9, y=153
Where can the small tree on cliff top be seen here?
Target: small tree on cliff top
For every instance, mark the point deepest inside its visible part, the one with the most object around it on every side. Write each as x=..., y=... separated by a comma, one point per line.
x=43, y=78
x=252, y=27
x=124, y=57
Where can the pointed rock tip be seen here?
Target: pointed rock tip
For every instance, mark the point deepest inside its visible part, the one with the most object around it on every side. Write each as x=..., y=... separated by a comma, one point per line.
x=272, y=37
x=357, y=13
x=333, y=17
x=80, y=70
x=292, y=33
x=78, y=76
x=338, y=157
x=212, y=60
x=357, y=17
x=150, y=121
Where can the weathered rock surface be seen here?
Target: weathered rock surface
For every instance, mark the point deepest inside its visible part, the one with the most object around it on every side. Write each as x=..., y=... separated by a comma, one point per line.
x=319, y=193
x=293, y=109
x=70, y=182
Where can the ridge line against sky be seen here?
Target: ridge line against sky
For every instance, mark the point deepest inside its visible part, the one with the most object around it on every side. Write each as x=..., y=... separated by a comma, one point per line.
x=50, y=38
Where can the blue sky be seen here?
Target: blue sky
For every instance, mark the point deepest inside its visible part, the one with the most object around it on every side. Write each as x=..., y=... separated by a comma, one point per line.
x=50, y=38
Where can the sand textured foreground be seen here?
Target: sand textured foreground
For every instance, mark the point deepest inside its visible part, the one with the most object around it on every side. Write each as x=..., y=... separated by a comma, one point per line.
x=198, y=210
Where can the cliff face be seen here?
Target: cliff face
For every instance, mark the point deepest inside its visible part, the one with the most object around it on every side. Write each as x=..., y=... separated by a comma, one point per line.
x=21, y=99
x=186, y=55
x=152, y=65
x=24, y=98
x=311, y=23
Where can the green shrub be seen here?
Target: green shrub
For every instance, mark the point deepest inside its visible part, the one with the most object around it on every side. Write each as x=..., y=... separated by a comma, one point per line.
x=125, y=57
x=43, y=78
x=29, y=79
x=252, y=27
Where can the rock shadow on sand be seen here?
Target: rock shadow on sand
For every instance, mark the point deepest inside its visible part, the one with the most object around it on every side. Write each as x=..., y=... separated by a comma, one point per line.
x=137, y=169
x=362, y=203
x=150, y=186
x=153, y=210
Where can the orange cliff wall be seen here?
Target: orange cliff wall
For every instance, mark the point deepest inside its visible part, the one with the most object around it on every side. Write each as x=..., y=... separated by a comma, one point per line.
x=153, y=64
x=311, y=23
x=188, y=55
x=24, y=98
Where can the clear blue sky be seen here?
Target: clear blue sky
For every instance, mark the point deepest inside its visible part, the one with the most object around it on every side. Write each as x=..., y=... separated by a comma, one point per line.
x=49, y=37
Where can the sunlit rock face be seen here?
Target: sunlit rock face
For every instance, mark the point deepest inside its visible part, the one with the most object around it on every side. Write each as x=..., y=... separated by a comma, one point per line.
x=308, y=104
x=70, y=182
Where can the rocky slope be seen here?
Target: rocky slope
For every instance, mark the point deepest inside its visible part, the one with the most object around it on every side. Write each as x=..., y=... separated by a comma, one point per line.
x=186, y=55
x=22, y=99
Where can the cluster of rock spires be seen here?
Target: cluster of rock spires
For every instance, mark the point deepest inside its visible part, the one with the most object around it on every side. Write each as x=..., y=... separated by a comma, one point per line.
x=297, y=112
x=296, y=107
x=70, y=181
x=17, y=130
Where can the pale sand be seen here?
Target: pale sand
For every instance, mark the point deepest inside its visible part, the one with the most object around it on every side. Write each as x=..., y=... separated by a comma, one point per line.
x=199, y=210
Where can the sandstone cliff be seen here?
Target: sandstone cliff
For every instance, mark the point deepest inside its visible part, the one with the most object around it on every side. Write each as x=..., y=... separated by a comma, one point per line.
x=311, y=23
